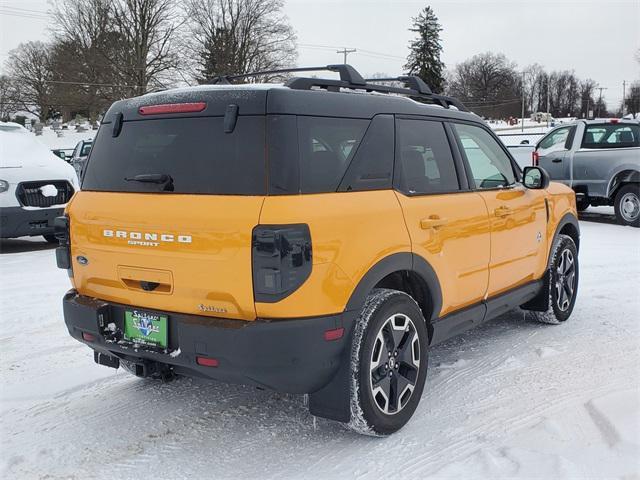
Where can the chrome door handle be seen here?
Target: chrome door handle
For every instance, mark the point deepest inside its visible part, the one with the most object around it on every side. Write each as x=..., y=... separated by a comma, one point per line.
x=432, y=222
x=502, y=211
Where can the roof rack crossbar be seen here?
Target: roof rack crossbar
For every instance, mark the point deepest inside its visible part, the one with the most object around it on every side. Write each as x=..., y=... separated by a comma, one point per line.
x=303, y=83
x=347, y=73
x=413, y=82
x=351, y=79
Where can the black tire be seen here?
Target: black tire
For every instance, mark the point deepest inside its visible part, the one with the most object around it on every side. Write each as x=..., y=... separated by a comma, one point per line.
x=50, y=238
x=627, y=205
x=563, y=282
x=582, y=204
x=392, y=322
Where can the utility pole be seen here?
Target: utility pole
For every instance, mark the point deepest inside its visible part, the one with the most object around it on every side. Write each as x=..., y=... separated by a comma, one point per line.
x=624, y=86
x=600, y=100
x=345, y=52
x=523, y=73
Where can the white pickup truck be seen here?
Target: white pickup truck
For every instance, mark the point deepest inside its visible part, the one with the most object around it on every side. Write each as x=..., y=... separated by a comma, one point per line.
x=600, y=160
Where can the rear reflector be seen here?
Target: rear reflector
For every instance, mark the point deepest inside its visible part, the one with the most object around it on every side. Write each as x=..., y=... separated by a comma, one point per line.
x=88, y=337
x=334, y=334
x=535, y=158
x=172, y=108
x=207, y=362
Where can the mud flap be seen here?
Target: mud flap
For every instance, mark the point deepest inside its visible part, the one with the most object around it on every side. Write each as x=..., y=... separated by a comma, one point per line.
x=333, y=401
x=540, y=303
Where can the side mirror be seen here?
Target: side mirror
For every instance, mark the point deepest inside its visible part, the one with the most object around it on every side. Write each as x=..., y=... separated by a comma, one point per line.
x=535, y=178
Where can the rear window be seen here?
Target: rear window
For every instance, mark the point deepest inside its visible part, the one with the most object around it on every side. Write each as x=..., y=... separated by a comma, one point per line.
x=326, y=147
x=327, y=154
x=611, y=136
x=195, y=152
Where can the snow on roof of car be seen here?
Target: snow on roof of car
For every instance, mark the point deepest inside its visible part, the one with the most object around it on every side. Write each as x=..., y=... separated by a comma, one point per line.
x=208, y=88
x=19, y=147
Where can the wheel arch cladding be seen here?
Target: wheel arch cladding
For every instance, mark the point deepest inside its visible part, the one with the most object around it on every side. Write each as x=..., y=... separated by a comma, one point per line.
x=407, y=272
x=568, y=225
x=621, y=178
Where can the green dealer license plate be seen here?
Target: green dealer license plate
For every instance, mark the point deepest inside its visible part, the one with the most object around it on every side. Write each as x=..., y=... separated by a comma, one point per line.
x=145, y=328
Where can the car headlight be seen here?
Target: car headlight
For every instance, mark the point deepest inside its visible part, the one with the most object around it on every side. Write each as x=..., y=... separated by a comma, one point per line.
x=4, y=186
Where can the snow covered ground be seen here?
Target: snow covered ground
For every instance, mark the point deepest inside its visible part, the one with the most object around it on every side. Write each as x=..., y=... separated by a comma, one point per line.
x=510, y=399
x=68, y=140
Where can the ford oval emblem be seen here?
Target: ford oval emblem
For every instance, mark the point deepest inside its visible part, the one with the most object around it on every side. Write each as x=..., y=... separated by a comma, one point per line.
x=82, y=260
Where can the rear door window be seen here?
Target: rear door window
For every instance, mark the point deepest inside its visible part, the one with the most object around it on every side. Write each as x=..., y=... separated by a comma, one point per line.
x=424, y=159
x=195, y=153
x=611, y=136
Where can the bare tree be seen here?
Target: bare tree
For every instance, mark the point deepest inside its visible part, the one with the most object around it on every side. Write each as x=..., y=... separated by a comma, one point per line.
x=29, y=65
x=632, y=100
x=85, y=57
x=239, y=36
x=147, y=30
x=7, y=105
x=489, y=84
x=124, y=46
x=587, y=103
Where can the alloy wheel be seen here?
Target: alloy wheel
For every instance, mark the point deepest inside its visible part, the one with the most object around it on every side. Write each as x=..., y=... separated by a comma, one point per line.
x=565, y=280
x=395, y=363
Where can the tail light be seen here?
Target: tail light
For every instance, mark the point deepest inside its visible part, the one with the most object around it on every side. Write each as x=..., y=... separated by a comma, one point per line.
x=281, y=256
x=61, y=232
x=535, y=158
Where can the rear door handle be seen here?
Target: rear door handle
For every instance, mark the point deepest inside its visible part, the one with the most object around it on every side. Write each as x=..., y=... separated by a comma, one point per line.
x=502, y=211
x=432, y=222
x=556, y=160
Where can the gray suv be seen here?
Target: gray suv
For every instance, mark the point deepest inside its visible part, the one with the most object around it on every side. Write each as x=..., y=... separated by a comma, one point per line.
x=600, y=160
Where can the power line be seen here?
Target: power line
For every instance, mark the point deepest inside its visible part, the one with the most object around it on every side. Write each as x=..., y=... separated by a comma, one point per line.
x=23, y=15
x=365, y=52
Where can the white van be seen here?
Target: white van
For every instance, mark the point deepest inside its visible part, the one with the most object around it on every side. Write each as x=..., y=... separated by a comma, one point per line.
x=35, y=184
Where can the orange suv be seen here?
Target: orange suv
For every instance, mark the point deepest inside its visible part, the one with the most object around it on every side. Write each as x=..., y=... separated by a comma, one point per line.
x=315, y=237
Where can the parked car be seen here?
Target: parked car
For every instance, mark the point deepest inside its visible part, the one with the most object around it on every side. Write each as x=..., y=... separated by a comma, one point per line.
x=600, y=160
x=35, y=184
x=308, y=238
x=79, y=156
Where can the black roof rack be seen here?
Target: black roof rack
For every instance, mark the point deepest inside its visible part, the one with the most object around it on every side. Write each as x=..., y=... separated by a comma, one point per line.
x=415, y=87
x=347, y=74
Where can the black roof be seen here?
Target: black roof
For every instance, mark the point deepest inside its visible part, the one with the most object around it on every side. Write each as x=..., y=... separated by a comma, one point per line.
x=349, y=97
x=260, y=99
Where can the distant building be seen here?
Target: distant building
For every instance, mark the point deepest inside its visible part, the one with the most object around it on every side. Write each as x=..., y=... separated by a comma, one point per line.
x=541, y=117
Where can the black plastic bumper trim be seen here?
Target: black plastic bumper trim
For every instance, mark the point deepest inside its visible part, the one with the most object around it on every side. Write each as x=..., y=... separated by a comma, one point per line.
x=288, y=355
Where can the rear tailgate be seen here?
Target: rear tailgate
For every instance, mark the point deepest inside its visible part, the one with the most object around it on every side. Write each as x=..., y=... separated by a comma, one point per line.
x=197, y=248
x=169, y=199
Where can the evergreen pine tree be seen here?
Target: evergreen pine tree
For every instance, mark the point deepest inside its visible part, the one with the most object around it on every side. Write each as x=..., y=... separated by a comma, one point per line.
x=424, y=58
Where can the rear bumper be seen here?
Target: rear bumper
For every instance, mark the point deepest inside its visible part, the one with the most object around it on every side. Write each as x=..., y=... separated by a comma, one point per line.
x=284, y=355
x=18, y=222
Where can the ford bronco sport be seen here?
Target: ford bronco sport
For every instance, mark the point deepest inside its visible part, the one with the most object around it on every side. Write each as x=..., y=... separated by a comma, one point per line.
x=315, y=237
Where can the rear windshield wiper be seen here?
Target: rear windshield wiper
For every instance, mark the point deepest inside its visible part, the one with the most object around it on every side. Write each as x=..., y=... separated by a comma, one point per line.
x=159, y=178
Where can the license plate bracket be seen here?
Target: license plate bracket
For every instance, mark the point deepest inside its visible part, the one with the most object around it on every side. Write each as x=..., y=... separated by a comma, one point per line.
x=146, y=328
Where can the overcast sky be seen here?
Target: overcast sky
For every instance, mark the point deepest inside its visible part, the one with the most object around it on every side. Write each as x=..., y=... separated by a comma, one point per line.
x=597, y=39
